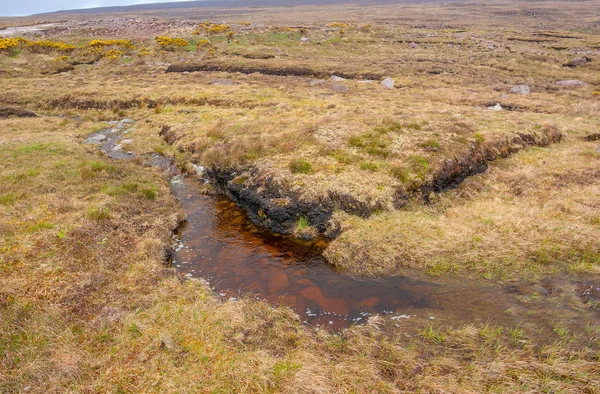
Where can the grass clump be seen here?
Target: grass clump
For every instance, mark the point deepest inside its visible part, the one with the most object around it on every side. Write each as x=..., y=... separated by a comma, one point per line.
x=300, y=166
x=8, y=198
x=134, y=188
x=302, y=223
x=375, y=143
x=99, y=213
x=418, y=165
x=370, y=166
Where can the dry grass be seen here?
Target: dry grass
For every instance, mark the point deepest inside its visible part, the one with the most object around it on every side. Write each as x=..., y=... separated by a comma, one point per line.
x=87, y=305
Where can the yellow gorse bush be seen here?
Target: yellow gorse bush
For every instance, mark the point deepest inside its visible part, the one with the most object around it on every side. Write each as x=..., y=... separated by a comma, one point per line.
x=113, y=54
x=125, y=44
x=8, y=44
x=211, y=28
x=338, y=25
x=170, y=43
x=44, y=46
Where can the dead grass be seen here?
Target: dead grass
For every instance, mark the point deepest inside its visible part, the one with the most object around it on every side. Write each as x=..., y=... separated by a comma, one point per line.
x=87, y=305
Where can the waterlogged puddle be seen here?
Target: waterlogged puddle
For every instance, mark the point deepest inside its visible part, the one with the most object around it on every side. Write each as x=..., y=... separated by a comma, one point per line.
x=219, y=244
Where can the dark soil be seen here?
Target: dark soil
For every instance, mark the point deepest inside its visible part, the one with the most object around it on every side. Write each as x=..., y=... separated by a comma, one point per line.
x=454, y=171
x=592, y=137
x=271, y=69
x=8, y=112
x=271, y=205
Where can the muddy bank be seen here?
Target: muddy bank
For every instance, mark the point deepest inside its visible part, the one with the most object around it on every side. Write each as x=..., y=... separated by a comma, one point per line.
x=271, y=69
x=454, y=171
x=218, y=243
x=9, y=112
x=273, y=205
x=71, y=102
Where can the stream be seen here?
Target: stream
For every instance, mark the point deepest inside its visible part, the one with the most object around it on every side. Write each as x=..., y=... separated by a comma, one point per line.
x=219, y=244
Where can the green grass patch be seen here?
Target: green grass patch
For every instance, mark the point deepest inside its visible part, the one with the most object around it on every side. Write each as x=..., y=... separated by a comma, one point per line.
x=375, y=143
x=8, y=198
x=370, y=166
x=401, y=173
x=418, y=165
x=37, y=148
x=39, y=226
x=136, y=188
x=302, y=223
x=98, y=213
x=300, y=166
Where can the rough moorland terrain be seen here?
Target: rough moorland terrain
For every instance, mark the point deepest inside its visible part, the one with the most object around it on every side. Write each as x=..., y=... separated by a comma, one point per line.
x=436, y=141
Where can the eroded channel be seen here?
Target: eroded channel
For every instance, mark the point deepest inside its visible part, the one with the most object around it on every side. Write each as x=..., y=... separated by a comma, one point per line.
x=218, y=243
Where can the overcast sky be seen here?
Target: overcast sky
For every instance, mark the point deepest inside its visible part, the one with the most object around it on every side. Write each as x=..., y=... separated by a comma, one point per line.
x=28, y=7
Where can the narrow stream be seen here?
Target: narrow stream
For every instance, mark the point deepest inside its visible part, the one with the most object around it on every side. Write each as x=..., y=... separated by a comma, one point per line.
x=219, y=244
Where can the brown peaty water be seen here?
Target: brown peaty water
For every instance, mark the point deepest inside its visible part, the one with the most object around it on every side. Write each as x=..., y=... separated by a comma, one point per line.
x=219, y=243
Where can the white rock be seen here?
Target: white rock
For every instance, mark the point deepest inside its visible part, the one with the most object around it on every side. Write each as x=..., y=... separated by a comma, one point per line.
x=335, y=78
x=95, y=139
x=571, y=83
x=521, y=89
x=496, y=107
x=126, y=141
x=388, y=83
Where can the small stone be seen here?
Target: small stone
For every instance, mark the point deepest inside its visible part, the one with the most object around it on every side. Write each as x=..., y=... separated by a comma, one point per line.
x=126, y=141
x=335, y=78
x=224, y=82
x=571, y=83
x=520, y=89
x=496, y=107
x=117, y=148
x=388, y=83
x=413, y=45
x=277, y=51
x=304, y=39
x=94, y=139
x=198, y=169
x=315, y=82
x=340, y=88
x=598, y=150
x=578, y=61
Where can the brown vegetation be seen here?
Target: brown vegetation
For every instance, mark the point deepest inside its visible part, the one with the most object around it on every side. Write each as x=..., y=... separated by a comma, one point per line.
x=423, y=176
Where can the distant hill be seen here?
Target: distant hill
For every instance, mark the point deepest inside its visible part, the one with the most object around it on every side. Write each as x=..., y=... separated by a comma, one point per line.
x=225, y=4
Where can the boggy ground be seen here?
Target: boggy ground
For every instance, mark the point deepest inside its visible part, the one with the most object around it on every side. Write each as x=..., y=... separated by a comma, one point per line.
x=386, y=172
x=420, y=176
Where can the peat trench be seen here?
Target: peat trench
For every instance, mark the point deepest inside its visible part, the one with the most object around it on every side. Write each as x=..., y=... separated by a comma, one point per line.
x=219, y=244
